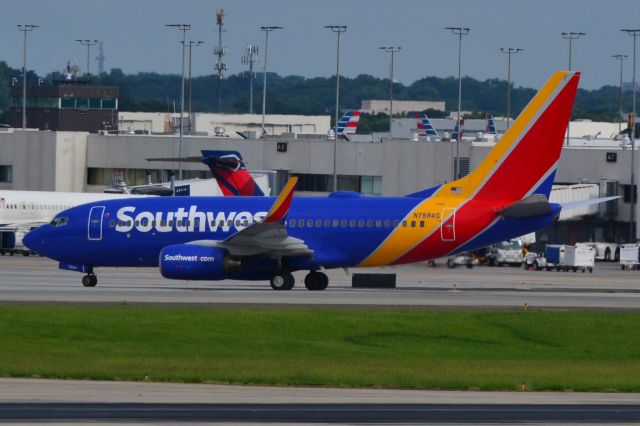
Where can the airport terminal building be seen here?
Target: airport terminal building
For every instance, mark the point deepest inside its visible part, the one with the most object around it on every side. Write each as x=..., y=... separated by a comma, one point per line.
x=79, y=161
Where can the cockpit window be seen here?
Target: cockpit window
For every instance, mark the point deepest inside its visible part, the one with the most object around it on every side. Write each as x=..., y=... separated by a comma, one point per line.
x=59, y=221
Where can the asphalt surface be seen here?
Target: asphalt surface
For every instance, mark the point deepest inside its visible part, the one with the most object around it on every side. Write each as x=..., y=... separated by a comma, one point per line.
x=323, y=413
x=38, y=280
x=25, y=400
x=35, y=279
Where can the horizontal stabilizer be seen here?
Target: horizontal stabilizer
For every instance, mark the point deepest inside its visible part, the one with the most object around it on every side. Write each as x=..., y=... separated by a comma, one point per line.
x=533, y=205
x=583, y=203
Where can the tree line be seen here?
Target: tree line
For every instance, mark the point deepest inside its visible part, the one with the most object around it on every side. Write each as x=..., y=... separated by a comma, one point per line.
x=155, y=92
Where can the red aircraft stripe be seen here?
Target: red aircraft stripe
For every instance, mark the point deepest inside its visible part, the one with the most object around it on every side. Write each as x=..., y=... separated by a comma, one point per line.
x=281, y=212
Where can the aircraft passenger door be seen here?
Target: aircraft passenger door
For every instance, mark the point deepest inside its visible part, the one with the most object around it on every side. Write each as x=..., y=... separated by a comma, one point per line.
x=95, y=223
x=448, y=224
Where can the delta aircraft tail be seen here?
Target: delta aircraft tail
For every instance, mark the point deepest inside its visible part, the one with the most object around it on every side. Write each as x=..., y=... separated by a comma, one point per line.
x=229, y=170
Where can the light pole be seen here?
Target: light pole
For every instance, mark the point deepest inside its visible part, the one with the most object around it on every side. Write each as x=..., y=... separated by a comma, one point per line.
x=267, y=30
x=570, y=36
x=88, y=43
x=220, y=66
x=392, y=51
x=25, y=28
x=633, y=33
x=191, y=44
x=338, y=29
x=620, y=58
x=459, y=31
x=249, y=59
x=184, y=28
x=509, y=51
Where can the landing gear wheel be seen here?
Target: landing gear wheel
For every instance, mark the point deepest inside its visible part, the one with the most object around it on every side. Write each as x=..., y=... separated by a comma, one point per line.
x=283, y=281
x=89, y=280
x=316, y=281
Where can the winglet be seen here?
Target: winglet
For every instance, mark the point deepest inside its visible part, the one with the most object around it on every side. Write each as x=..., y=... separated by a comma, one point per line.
x=280, y=208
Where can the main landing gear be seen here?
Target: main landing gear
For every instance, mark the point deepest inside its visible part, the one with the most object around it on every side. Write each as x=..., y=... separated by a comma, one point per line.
x=314, y=280
x=90, y=280
x=283, y=281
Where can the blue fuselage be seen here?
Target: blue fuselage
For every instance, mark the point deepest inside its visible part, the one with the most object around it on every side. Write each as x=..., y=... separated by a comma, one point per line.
x=341, y=231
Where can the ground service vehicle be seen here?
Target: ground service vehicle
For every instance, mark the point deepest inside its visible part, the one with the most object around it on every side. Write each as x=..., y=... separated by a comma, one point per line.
x=579, y=257
x=630, y=256
x=506, y=253
x=535, y=261
x=554, y=255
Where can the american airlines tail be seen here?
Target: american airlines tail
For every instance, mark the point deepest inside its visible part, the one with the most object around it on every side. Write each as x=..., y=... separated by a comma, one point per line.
x=425, y=128
x=458, y=128
x=491, y=125
x=348, y=124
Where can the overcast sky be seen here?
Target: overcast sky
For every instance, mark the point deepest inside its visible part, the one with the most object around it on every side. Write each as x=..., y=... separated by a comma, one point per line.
x=135, y=38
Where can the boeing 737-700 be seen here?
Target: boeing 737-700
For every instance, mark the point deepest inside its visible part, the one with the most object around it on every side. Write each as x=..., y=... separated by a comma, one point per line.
x=266, y=238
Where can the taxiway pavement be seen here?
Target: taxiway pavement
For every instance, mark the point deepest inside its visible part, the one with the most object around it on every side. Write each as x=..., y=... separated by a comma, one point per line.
x=35, y=279
x=77, y=400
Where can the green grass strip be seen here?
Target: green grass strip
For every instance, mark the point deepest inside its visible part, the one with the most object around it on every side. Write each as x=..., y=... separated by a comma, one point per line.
x=491, y=350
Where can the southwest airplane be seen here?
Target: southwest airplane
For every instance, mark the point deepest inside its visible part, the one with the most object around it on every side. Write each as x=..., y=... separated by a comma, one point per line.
x=266, y=238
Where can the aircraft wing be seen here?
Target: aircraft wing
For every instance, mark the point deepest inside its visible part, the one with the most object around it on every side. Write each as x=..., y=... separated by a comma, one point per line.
x=28, y=226
x=268, y=236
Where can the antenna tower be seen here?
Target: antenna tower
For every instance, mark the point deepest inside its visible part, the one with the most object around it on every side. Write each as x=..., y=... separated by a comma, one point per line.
x=221, y=65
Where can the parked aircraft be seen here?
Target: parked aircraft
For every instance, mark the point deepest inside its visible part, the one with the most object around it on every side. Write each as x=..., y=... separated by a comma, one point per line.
x=425, y=127
x=491, y=125
x=21, y=211
x=348, y=123
x=266, y=238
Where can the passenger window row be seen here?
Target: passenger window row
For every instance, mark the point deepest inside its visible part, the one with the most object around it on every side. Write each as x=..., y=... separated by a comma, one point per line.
x=293, y=223
x=33, y=206
x=353, y=223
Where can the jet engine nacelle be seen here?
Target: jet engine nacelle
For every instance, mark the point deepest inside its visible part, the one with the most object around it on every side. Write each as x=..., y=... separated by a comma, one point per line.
x=193, y=262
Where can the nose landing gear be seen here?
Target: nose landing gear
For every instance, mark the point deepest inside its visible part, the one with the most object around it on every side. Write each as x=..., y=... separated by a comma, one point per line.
x=90, y=280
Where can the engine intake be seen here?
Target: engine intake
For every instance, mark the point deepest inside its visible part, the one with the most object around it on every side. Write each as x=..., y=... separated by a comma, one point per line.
x=193, y=262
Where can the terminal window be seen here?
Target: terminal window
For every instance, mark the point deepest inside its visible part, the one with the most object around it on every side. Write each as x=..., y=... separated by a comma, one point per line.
x=371, y=185
x=110, y=177
x=72, y=102
x=627, y=193
x=6, y=174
